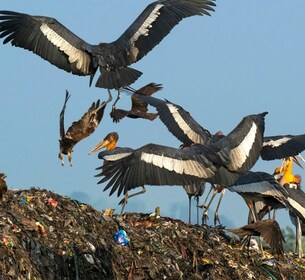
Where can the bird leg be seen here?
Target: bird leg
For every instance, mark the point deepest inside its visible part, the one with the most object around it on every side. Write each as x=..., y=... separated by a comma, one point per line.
x=197, y=204
x=206, y=199
x=117, y=99
x=127, y=196
x=70, y=158
x=216, y=218
x=109, y=96
x=299, y=237
x=190, y=210
x=205, y=215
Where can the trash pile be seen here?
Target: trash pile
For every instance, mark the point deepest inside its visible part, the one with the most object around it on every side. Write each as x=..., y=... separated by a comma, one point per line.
x=46, y=236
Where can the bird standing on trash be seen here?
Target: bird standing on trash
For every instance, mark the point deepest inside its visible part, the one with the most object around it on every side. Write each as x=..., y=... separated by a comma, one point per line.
x=3, y=185
x=80, y=129
x=55, y=43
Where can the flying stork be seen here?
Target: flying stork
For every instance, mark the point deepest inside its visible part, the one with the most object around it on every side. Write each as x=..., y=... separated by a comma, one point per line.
x=80, y=129
x=221, y=162
x=52, y=41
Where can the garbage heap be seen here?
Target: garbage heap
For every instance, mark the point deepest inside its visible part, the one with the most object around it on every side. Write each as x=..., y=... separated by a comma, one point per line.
x=47, y=236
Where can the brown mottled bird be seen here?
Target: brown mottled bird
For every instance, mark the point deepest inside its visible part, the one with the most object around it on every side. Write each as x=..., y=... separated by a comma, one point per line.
x=139, y=107
x=3, y=186
x=269, y=230
x=80, y=129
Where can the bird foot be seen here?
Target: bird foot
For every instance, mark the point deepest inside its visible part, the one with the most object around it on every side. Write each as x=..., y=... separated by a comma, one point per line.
x=216, y=219
x=205, y=217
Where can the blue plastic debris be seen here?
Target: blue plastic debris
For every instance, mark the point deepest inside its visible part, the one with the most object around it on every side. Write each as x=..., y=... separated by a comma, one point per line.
x=121, y=237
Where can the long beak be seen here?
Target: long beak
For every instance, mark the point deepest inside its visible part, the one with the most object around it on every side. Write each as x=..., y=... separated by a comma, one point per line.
x=296, y=160
x=99, y=146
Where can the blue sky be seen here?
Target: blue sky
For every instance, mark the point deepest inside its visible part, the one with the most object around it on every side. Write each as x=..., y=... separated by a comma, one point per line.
x=248, y=57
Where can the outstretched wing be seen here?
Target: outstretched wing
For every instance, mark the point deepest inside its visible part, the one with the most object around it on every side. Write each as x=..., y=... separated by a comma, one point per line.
x=179, y=122
x=62, y=117
x=139, y=105
x=156, y=21
x=160, y=165
x=49, y=39
x=244, y=143
x=282, y=146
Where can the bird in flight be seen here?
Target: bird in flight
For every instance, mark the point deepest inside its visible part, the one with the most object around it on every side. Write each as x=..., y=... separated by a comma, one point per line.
x=52, y=41
x=80, y=129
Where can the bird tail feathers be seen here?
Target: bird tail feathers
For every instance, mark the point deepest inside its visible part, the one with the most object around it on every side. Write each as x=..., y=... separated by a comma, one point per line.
x=118, y=78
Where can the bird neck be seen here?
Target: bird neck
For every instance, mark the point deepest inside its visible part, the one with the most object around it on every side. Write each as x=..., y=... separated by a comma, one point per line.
x=111, y=146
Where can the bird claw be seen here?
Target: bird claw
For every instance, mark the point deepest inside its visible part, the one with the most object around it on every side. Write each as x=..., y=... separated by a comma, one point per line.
x=205, y=217
x=216, y=219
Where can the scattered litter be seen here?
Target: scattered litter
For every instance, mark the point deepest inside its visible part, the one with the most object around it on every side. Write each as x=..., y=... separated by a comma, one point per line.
x=46, y=236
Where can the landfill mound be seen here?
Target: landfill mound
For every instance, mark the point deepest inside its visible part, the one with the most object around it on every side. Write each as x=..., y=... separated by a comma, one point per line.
x=47, y=236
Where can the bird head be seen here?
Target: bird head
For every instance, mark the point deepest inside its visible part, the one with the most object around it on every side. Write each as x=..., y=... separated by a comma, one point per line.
x=109, y=142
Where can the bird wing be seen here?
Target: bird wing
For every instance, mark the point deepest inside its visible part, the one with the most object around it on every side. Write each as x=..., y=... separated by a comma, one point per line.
x=296, y=201
x=62, y=117
x=244, y=143
x=118, y=114
x=139, y=105
x=179, y=122
x=159, y=165
x=260, y=183
x=269, y=230
x=278, y=147
x=156, y=21
x=88, y=122
x=49, y=39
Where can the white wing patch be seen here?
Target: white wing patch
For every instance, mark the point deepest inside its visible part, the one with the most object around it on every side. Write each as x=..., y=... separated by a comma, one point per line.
x=297, y=206
x=188, y=167
x=144, y=30
x=195, y=137
x=276, y=143
x=262, y=188
x=240, y=154
x=116, y=157
x=81, y=58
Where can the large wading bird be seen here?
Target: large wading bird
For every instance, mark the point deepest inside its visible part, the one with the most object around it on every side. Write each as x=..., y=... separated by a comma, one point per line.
x=139, y=107
x=259, y=186
x=110, y=144
x=80, y=129
x=186, y=129
x=221, y=162
x=181, y=124
x=55, y=43
x=3, y=185
x=296, y=197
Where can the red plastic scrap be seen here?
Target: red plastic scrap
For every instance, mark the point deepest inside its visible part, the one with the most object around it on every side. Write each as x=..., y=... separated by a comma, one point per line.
x=52, y=202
